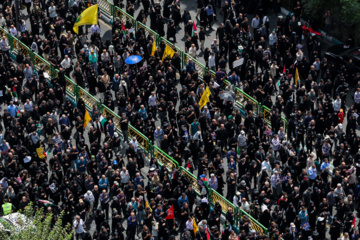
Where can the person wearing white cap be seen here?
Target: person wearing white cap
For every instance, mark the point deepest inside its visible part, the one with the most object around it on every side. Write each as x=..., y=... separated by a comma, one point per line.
x=265, y=165
x=90, y=197
x=242, y=140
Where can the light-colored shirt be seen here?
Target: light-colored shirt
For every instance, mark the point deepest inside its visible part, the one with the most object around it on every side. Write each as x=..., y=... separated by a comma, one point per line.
x=152, y=100
x=52, y=14
x=324, y=165
x=80, y=228
x=357, y=97
x=4, y=45
x=312, y=173
x=95, y=29
x=66, y=63
x=28, y=107
x=212, y=61
x=13, y=32
x=189, y=225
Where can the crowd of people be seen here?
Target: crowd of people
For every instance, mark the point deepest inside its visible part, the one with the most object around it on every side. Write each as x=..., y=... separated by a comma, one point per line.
x=299, y=179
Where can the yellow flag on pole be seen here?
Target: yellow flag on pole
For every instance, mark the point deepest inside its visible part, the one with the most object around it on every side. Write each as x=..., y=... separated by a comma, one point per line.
x=88, y=17
x=195, y=227
x=204, y=98
x=207, y=90
x=168, y=51
x=153, y=50
x=87, y=118
x=296, y=76
x=147, y=205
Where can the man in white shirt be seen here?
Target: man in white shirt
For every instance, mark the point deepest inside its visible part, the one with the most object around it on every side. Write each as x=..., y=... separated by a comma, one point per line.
x=152, y=100
x=52, y=12
x=13, y=31
x=90, y=197
x=357, y=96
x=211, y=62
x=2, y=21
x=28, y=107
x=192, y=51
x=255, y=23
x=4, y=45
x=79, y=226
x=272, y=38
x=66, y=64
x=95, y=29
x=105, y=57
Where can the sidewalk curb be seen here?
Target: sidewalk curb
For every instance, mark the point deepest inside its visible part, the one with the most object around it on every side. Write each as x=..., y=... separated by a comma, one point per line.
x=329, y=38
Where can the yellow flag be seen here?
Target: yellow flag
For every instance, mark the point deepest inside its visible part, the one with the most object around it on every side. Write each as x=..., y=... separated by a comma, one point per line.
x=296, y=76
x=88, y=17
x=87, y=118
x=207, y=90
x=147, y=205
x=195, y=227
x=153, y=48
x=168, y=51
x=204, y=99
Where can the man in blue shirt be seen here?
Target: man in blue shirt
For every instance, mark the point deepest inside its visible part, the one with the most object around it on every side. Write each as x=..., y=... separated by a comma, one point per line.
x=64, y=122
x=312, y=173
x=110, y=128
x=81, y=164
x=190, y=66
x=182, y=199
x=12, y=109
x=103, y=182
x=139, y=180
x=234, y=79
x=325, y=164
x=131, y=226
x=142, y=112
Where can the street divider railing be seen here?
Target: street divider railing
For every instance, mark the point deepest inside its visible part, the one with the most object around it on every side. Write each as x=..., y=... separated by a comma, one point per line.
x=106, y=7
x=88, y=99
x=140, y=137
x=242, y=99
x=143, y=141
x=164, y=159
x=254, y=224
x=75, y=92
x=267, y=116
x=191, y=179
x=124, y=16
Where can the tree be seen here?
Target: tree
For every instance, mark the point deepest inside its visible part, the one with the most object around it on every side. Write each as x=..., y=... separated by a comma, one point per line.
x=42, y=227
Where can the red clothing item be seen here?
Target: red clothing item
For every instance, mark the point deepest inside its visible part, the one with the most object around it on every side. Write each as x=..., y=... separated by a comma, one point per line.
x=341, y=116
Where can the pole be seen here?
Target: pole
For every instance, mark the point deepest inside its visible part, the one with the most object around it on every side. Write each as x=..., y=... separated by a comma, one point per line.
x=17, y=6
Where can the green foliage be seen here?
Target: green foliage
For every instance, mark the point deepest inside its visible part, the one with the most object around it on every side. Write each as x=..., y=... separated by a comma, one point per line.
x=43, y=229
x=314, y=9
x=350, y=12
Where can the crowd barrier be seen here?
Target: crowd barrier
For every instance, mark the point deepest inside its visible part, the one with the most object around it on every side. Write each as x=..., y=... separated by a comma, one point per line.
x=75, y=92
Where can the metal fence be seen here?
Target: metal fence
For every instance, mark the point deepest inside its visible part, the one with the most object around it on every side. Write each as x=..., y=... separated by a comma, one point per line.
x=254, y=224
x=164, y=159
x=242, y=99
x=105, y=7
x=148, y=32
x=124, y=17
x=141, y=138
x=191, y=179
x=224, y=203
x=88, y=99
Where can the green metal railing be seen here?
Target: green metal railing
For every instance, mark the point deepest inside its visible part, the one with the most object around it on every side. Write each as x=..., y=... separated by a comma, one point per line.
x=191, y=179
x=164, y=159
x=75, y=92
